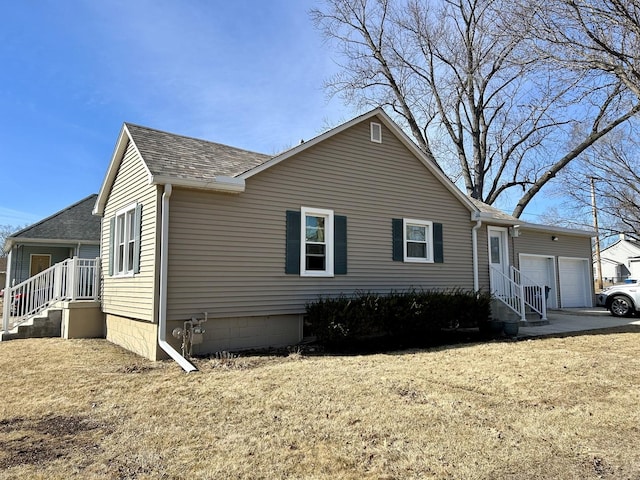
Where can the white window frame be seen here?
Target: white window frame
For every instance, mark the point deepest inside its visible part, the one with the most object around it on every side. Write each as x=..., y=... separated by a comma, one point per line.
x=129, y=236
x=329, y=241
x=376, y=132
x=428, y=240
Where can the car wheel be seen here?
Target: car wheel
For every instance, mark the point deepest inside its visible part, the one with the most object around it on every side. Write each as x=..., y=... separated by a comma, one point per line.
x=621, y=306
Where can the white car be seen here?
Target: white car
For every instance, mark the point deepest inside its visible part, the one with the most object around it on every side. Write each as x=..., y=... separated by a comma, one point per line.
x=621, y=300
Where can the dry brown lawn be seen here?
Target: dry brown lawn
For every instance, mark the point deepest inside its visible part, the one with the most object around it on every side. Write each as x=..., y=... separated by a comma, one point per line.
x=561, y=408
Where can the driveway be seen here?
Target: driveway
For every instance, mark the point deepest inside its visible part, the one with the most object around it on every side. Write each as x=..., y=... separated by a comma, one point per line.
x=575, y=320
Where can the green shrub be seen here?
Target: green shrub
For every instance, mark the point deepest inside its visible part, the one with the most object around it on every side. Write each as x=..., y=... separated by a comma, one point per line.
x=409, y=316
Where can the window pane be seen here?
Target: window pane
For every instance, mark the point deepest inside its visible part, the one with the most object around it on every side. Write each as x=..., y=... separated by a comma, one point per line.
x=315, y=229
x=120, y=258
x=315, y=249
x=495, y=250
x=315, y=258
x=120, y=228
x=416, y=233
x=130, y=221
x=130, y=256
x=416, y=250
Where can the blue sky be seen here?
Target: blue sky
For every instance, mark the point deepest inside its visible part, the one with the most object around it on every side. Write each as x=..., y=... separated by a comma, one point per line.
x=244, y=73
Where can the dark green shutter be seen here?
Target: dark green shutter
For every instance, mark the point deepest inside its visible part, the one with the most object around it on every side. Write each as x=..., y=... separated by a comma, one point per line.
x=292, y=254
x=340, y=244
x=398, y=240
x=438, y=244
x=137, y=225
x=112, y=247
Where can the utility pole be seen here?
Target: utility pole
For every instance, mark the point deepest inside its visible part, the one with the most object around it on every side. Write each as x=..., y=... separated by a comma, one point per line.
x=595, y=226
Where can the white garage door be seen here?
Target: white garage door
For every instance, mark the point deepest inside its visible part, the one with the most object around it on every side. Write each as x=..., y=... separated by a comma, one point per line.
x=541, y=270
x=575, y=285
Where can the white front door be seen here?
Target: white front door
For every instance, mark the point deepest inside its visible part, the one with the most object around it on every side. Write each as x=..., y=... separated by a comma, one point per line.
x=498, y=256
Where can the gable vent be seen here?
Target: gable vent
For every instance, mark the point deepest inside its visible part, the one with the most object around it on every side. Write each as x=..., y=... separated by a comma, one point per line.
x=376, y=132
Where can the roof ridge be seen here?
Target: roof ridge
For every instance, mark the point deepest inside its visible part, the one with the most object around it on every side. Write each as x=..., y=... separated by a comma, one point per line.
x=53, y=215
x=189, y=137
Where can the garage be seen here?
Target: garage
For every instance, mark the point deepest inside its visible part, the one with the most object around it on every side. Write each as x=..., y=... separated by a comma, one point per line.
x=540, y=269
x=575, y=286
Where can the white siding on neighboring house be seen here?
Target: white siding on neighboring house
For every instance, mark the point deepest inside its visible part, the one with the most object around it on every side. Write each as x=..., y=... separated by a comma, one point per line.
x=134, y=296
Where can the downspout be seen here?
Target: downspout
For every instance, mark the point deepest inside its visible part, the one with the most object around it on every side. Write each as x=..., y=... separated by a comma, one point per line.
x=474, y=246
x=186, y=365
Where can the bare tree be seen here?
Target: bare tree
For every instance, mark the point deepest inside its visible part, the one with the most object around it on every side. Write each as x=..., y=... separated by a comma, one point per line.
x=598, y=35
x=614, y=164
x=477, y=99
x=6, y=231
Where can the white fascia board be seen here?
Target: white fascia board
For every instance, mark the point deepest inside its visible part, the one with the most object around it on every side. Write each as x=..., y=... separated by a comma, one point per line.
x=13, y=241
x=116, y=159
x=54, y=241
x=561, y=230
x=489, y=218
x=218, y=184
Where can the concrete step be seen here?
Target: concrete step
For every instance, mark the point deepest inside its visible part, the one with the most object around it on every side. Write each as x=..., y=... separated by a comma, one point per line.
x=42, y=326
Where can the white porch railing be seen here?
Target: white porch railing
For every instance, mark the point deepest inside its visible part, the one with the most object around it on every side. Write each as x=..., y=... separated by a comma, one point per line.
x=507, y=291
x=73, y=279
x=518, y=292
x=535, y=296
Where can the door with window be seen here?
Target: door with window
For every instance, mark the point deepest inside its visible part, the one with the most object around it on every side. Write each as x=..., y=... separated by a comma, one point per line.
x=498, y=259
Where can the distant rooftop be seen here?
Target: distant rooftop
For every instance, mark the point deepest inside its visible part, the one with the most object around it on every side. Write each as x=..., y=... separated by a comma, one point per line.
x=73, y=223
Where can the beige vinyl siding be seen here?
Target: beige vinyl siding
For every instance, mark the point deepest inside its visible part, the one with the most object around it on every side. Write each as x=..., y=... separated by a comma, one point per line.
x=540, y=243
x=227, y=252
x=132, y=297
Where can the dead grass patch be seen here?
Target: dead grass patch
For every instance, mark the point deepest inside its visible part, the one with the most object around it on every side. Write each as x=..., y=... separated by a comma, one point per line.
x=548, y=408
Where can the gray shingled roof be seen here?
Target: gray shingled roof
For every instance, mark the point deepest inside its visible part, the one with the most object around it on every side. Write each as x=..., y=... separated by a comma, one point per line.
x=73, y=223
x=493, y=211
x=170, y=155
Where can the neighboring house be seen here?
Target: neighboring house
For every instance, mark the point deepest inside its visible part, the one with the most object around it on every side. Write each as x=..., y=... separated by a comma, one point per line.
x=3, y=271
x=190, y=226
x=71, y=232
x=620, y=261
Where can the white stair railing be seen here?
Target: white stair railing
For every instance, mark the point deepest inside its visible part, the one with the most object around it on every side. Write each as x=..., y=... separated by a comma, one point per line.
x=73, y=279
x=510, y=293
x=535, y=295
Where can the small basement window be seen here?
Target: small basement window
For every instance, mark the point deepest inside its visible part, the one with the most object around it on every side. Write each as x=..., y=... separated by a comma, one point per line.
x=376, y=132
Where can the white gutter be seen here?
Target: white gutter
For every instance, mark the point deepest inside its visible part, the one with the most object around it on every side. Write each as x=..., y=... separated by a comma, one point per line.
x=474, y=247
x=218, y=184
x=186, y=365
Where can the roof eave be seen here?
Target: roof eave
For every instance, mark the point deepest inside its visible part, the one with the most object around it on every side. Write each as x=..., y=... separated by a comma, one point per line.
x=490, y=218
x=10, y=242
x=217, y=184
